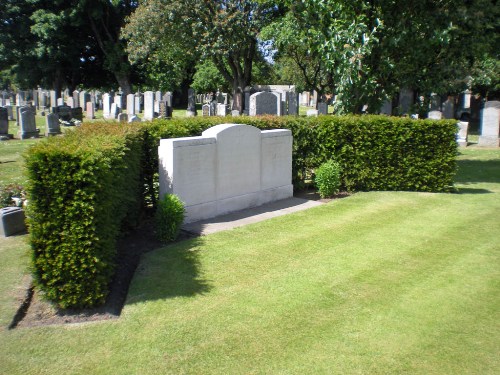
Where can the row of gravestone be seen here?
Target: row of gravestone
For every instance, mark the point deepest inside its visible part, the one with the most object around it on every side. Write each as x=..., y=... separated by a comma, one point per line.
x=153, y=104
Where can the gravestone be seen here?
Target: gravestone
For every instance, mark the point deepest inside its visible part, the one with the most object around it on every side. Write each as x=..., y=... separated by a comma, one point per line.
x=76, y=99
x=235, y=113
x=405, y=100
x=63, y=112
x=191, y=109
x=322, y=108
x=137, y=103
x=118, y=100
x=463, y=127
x=90, y=112
x=168, y=98
x=312, y=112
x=156, y=108
x=163, y=109
x=115, y=111
x=131, y=104
x=43, y=100
x=10, y=112
x=148, y=105
x=449, y=108
x=70, y=102
x=435, y=115
x=158, y=96
x=222, y=109
x=265, y=103
x=77, y=113
x=435, y=102
x=122, y=117
x=293, y=107
x=490, y=120
x=386, y=108
x=52, y=125
x=53, y=98
x=231, y=167
x=27, y=125
x=134, y=118
x=4, y=124
x=106, y=105
x=84, y=99
x=60, y=102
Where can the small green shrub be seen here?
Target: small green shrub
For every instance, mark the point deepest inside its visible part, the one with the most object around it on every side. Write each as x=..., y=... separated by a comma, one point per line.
x=328, y=178
x=169, y=217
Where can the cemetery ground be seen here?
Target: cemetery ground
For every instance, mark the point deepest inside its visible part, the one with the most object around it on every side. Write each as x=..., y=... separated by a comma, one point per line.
x=379, y=282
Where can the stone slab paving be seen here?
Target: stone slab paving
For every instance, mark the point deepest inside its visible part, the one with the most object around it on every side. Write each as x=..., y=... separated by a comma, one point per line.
x=249, y=216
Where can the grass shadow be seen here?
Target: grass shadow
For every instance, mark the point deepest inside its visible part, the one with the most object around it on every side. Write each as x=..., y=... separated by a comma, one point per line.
x=168, y=272
x=477, y=171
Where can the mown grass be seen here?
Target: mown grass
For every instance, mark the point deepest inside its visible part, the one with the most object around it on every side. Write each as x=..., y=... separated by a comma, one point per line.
x=377, y=283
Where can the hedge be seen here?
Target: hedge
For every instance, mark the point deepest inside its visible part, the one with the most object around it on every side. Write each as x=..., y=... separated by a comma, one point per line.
x=83, y=188
x=88, y=185
x=374, y=152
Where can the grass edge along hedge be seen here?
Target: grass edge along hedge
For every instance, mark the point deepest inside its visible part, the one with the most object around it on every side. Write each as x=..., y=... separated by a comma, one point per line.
x=83, y=188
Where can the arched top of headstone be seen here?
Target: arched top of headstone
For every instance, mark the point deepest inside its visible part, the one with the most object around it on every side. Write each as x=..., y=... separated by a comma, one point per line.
x=231, y=129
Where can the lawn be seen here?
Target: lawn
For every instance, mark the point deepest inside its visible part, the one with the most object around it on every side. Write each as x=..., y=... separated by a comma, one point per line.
x=379, y=282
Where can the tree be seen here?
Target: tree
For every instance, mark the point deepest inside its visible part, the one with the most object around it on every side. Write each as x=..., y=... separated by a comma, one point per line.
x=226, y=32
x=373, y=48
x=61, y=42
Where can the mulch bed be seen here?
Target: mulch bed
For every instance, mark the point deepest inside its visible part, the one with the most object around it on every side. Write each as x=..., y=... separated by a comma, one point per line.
x=35, y=311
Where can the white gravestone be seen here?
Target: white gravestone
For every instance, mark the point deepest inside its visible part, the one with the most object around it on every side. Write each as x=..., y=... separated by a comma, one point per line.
x=229, y=168
x=435, y=115
x=131, y=104
x=106, y=105
x=463, y=127
x=148, y=105
x=490, y=120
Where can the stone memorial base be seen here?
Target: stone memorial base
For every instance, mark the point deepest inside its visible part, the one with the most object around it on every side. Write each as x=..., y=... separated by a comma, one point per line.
x=11, y=221
x=486, y=141
x=190, y=114
x=28, y=135
x=6, y=137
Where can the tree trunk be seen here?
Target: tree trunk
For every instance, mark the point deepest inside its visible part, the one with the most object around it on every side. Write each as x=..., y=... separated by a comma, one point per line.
x=124, y=82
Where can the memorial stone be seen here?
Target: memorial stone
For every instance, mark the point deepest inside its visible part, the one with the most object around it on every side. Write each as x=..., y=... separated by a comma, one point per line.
x=462, y=135
x=312, y=112
x=235, y=113
x=10, y=112
x=222, y=109
x=322, y=108
x=191, y=110
x=137, y=103
x=27, y=125
x=52, y=125
x=490, y=121
x=134, y=118
x=405, y=100
x=131, y=104
x=265, y=103
x=77, y=113
x=76, y=99
x=435, y=115
x=205, y=110
x=386, y=108
x=4, y=124
x=122, y=117
x=90, y=112
x=115, y=110
x=148, y=105
x=293, y=107
x=106, y=106
x=63, y=112
x=449, y=108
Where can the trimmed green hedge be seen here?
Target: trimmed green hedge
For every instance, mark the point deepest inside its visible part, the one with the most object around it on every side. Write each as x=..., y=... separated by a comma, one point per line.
x=86, y=186
x=374, y=152
x=83, y=188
